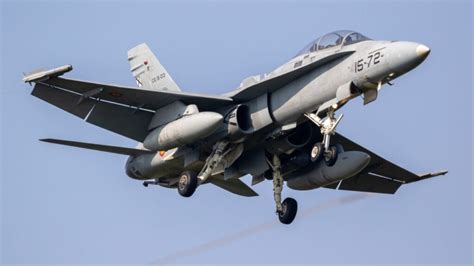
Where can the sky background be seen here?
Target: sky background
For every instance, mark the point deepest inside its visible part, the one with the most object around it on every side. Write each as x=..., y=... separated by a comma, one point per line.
x=64, y=205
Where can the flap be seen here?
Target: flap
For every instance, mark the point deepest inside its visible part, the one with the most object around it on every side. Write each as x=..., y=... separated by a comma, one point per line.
x=370, y=183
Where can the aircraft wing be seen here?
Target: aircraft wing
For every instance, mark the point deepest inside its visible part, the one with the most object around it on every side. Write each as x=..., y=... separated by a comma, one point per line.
x=380, y=176
x=135, y=97
x=124, y=110
x=273, y=82
x=99, y=147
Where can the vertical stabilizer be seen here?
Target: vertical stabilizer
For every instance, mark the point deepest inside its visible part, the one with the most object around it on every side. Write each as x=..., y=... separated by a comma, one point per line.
x=148, y=71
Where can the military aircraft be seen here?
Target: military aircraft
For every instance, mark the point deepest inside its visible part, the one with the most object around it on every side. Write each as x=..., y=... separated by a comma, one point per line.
x=279, y=126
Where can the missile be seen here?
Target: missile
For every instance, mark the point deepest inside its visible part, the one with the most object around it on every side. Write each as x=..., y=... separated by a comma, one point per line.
x=46, y=74
x=182, y=131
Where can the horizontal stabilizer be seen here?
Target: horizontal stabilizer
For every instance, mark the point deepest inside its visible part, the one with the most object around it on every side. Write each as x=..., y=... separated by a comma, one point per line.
x=99, y=147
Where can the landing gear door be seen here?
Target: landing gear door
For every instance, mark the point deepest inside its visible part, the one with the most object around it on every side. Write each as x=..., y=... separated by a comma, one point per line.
x=346, y=92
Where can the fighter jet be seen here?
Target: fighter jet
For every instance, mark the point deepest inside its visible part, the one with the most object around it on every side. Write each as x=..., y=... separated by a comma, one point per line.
x=278, y=126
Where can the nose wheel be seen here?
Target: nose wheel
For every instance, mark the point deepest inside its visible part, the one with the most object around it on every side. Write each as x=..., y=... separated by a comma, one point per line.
x=329, y=155
x=328, y=128
x=317, y=152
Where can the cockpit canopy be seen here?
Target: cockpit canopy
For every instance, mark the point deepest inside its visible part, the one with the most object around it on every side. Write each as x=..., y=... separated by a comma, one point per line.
x=333, y=39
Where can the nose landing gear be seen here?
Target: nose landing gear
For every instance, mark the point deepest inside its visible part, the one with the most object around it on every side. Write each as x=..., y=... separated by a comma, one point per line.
x=330, y=155
x=328, y=128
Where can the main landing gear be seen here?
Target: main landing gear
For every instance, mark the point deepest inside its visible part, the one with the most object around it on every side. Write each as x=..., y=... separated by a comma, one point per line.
x=328, y=128
x=189, y=181
x=287, y=209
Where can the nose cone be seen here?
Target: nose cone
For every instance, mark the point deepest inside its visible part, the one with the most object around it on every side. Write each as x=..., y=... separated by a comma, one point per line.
x=404, y=56
x=422, y=50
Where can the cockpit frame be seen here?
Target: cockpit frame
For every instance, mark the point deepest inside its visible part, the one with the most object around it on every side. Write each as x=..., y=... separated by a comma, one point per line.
x=342, y=38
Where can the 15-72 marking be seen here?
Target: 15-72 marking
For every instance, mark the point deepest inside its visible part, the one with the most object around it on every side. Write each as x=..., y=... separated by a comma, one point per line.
x=372, y=59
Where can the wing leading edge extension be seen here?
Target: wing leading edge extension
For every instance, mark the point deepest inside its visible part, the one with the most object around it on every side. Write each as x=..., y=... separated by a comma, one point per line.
x=272, y=82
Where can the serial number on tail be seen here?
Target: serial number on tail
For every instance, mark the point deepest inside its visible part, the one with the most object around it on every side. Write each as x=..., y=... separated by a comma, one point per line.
x=158, y=78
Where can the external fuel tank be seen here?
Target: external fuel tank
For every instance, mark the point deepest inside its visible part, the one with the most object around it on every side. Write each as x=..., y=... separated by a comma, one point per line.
x=182, y=131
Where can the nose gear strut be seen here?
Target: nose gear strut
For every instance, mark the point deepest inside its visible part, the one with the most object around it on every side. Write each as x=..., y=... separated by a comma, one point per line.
x=328, y=128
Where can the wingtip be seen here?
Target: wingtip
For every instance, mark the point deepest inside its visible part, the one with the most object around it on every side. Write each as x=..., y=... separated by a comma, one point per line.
x=443, y=172
x=41, y=75
x=49, y=140
x=439, y=173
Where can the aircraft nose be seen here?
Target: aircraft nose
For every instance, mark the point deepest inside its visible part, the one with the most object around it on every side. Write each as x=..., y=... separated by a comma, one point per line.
x=422, y=50
x=407, y=55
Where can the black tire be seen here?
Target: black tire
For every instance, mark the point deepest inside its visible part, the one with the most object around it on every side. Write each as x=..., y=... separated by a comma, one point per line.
x=330, y=156
x=268, y=175
x=187, y=183
x=290, y=207
x=316, y=152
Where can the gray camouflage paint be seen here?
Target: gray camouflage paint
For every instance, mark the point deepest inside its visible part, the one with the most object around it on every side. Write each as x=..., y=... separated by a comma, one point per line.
x=369, y=63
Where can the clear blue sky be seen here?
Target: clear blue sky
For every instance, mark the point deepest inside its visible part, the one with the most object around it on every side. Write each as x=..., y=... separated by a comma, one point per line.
x=65, y=205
